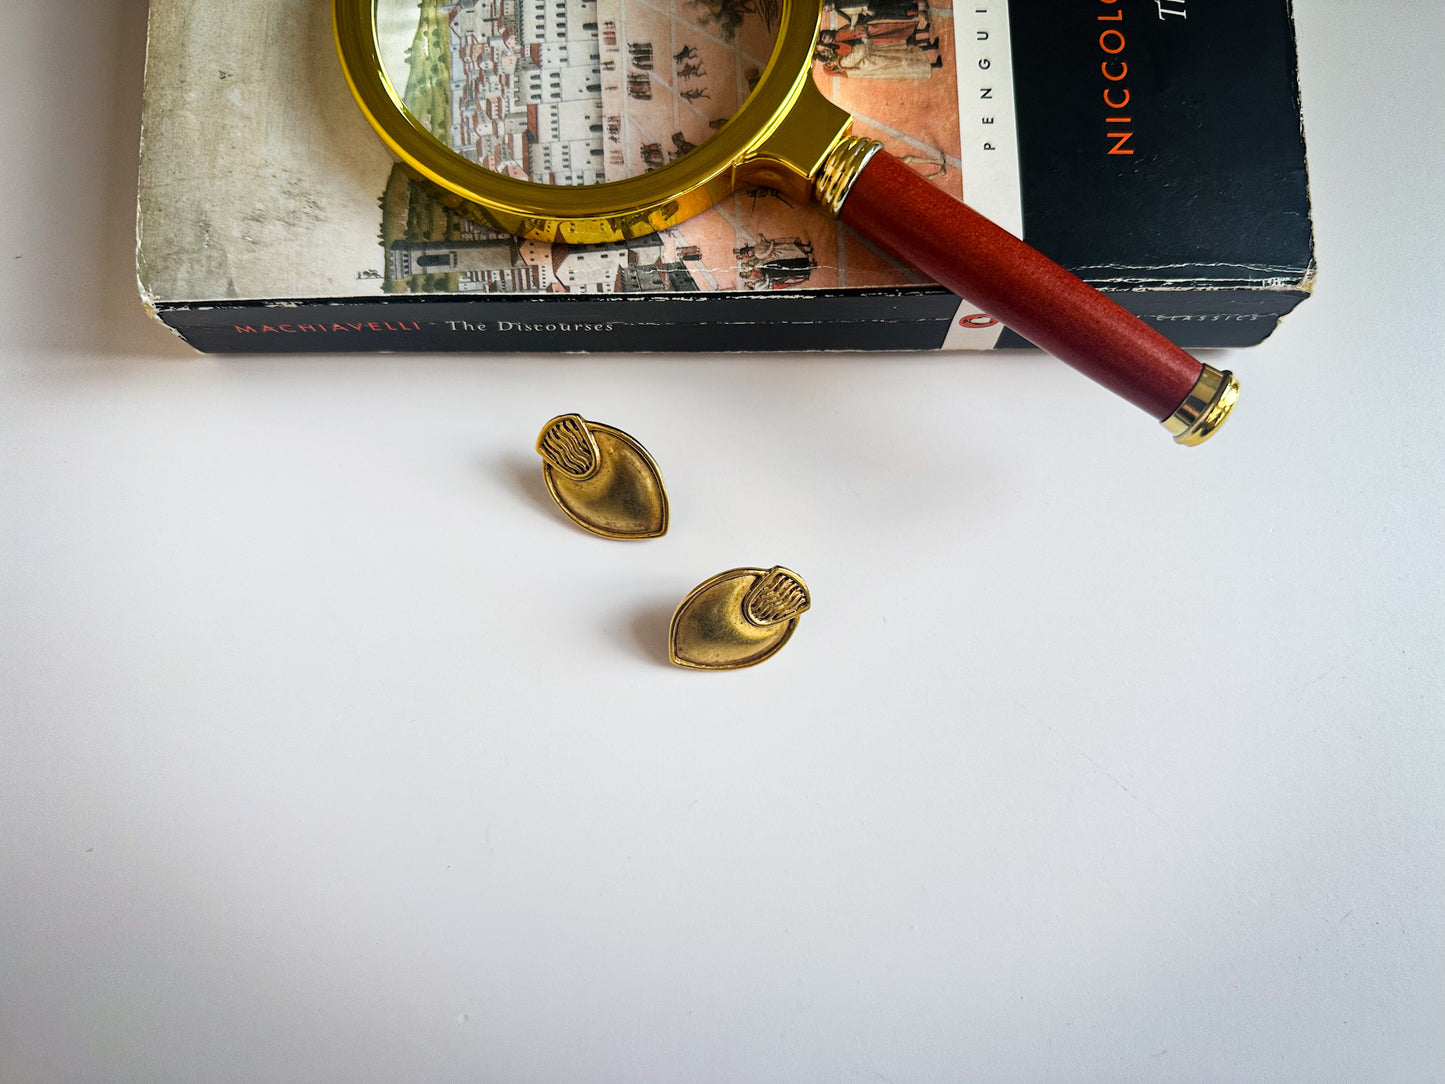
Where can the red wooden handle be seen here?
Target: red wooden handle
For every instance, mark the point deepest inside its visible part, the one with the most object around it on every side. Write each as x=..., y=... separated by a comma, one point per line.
x=904, y=214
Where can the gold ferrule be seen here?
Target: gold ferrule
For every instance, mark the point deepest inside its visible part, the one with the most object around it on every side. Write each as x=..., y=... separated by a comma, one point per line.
x=841, y=169
x=1204, y=408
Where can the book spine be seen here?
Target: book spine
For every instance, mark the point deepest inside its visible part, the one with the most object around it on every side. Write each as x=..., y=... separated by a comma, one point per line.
x=906, y=320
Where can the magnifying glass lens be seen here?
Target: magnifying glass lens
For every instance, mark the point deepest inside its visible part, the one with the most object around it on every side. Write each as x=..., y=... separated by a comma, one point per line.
x=574, y=92
x=541, y=118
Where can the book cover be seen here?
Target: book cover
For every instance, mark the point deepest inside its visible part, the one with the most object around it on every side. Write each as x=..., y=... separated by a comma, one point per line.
x=1123, y=141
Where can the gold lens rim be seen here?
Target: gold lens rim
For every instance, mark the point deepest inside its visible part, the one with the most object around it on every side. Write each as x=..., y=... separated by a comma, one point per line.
x=583, y=214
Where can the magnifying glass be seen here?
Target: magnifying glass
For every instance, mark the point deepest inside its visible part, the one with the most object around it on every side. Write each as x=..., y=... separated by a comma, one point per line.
x=549, y=120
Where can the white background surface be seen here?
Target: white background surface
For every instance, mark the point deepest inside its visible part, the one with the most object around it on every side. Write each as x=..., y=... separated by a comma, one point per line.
x=331, y=752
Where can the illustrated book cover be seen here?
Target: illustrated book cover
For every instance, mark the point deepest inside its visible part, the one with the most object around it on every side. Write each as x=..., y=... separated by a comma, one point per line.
x=1151, y=147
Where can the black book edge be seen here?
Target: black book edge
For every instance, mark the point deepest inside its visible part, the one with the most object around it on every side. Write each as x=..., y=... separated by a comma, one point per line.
x=907, y=319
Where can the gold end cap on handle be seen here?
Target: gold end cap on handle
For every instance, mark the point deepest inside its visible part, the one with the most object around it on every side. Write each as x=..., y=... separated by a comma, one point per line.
x=1204, y=409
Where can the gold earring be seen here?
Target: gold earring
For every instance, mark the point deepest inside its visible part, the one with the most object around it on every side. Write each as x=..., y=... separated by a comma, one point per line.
x=602, y=478
x=738, y=618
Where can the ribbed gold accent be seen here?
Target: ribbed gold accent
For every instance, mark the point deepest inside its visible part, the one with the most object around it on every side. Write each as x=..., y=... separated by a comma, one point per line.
x=1205, y=407
x=778, y=596
x=841, y=168
x=567, y=444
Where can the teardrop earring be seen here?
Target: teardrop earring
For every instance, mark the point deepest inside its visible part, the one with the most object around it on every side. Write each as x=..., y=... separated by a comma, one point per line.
x=603, y=479
x=737, y=618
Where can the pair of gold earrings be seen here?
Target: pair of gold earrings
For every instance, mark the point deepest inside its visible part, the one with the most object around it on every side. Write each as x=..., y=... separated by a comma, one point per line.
x=606, y=483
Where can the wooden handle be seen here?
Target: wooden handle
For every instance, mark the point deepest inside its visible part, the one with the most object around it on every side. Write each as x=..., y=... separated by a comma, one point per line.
x=902, y=213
